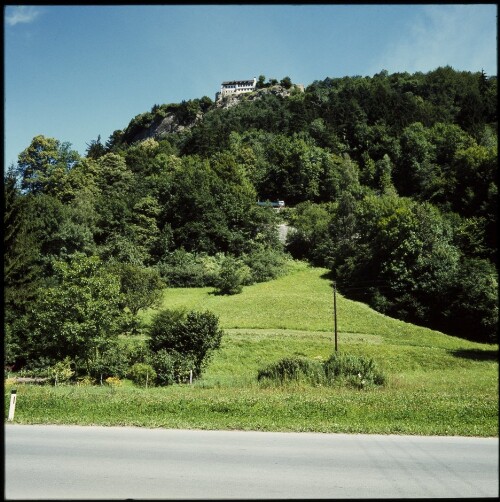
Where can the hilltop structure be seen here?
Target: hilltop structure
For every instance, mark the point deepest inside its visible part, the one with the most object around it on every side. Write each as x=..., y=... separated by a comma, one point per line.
x=232, y=87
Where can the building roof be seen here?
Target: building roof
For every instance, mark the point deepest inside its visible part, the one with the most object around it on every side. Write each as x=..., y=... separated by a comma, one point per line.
x=249, y=80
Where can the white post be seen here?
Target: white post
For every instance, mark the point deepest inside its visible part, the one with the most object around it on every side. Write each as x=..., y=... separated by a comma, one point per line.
x=147, y=378
x=12, y=407
x=190, y=377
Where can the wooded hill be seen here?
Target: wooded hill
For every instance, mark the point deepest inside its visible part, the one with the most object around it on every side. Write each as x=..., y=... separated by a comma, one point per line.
x=390, y=182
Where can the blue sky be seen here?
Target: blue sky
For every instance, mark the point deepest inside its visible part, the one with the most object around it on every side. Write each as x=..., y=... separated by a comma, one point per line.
x=76, y=72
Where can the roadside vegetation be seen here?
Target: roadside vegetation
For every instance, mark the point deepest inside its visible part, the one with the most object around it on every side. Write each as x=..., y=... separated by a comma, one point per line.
x=434, y=384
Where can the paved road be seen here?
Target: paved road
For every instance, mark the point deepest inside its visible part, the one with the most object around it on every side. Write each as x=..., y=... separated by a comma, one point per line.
x=68, y=462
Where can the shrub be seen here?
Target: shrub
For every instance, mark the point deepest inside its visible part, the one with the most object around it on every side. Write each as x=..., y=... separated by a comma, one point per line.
x=193, y=335
x=142, y=374
x=171, y=367
x=163, y=363
x=111, y=360
x=184, y=269
x=343, y=369
x=133, y=350
x=294, y=370
x=232, y=277
x=40, y=367
x=62, y=372
x=265, y=264
x=357, y=371
x=85, y=381
x=113, y=381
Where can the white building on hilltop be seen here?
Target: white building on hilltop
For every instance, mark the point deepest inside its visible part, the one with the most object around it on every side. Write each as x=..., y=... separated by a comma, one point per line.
x=236, y=87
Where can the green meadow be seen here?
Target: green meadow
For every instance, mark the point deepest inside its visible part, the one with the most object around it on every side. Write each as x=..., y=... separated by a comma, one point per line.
x=435, y=384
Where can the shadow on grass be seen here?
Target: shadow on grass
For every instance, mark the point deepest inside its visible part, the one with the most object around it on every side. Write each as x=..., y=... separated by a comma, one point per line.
x=476, y=354
x=216, y=292
x=328, y=275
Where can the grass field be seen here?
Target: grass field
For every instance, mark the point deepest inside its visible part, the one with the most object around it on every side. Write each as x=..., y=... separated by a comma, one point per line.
x=436, y=384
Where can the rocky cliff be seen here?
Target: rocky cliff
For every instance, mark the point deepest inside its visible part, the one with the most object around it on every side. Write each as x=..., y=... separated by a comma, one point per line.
x=160, y=126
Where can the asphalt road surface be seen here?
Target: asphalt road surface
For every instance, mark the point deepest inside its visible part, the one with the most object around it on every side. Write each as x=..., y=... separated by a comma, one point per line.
x=72, y=462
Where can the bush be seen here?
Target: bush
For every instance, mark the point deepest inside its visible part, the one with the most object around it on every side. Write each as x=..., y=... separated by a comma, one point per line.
x=85, y=381
x=171, y=367
x=232, y=277
x=164, y=365
x=40, y=367
x=142, y=374
x=357, y=371
x=189, y=270
x=62, y=372
x=194, y=335
x=111, y=360
x=265, y=264
x=227, y=273
x=294, y=370
x=133, y=350
x=113, y=381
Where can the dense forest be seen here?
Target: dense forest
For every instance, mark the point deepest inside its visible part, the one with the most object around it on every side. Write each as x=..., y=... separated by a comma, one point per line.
x=389, y=181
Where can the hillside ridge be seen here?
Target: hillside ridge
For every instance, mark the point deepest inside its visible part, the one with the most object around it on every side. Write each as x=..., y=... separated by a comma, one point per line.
x=161, y=127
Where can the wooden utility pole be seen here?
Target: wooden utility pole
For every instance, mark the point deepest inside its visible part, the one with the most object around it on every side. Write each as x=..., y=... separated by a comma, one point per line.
x=335, y=312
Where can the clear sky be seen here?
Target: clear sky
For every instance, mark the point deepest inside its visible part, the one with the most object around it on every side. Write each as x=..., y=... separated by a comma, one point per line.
x=76, y=72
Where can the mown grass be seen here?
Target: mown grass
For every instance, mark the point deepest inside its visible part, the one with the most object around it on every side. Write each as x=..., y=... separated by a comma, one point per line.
x=436, y=384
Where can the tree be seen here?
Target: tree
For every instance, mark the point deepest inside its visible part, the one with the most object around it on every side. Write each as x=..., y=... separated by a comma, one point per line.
x=142, y=160
x=114, y=182
x=441, y=89
x=205, y=104
x=209, y=205
x=115, y=141
x=384, y=175
x=473, y=172
x=295, y=170
x=260, y=82
x=346, y=254
x=404, y=259
x=472, y=311
x=192, y=212
x=144, y=227
x=141, y=287
x=43, y=166
x=78, y=315
x=310, y=237
x=95, y=149
x=60, y=229
x=416, y=161
x=21, y=248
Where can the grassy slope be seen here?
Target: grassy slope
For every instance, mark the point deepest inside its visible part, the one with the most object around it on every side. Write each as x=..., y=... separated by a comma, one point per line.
x=301, y=300
x=294, y=314
x=437, y=384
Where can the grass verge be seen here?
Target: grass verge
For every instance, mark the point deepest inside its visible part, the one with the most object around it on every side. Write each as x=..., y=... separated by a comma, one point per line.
x=436, y=384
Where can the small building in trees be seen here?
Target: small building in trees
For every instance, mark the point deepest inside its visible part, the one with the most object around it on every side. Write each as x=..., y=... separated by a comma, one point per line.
x=236, y=87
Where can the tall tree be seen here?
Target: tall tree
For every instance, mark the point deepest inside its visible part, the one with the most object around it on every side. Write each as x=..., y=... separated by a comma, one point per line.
x=21, y=251
x=43, y=166
x=78, y=314
x=95, y=148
